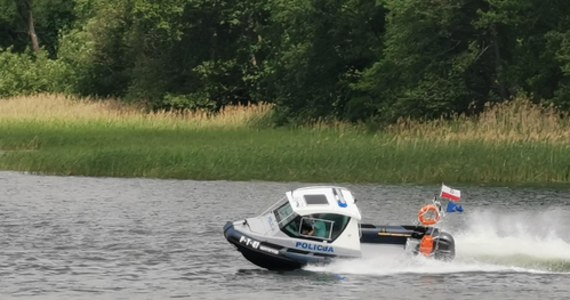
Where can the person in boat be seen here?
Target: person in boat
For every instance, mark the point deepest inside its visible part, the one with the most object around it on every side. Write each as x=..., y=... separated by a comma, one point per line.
x=307, y=228
x=314, y=227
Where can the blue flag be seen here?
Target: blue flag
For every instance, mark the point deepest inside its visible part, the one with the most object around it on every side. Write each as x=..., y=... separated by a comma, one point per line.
x=452, y=207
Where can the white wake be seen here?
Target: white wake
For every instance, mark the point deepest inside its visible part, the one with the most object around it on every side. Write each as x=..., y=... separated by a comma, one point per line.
x=486, y=241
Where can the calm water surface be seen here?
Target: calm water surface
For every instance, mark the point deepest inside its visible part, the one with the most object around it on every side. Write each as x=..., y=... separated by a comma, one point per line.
x=107, y=238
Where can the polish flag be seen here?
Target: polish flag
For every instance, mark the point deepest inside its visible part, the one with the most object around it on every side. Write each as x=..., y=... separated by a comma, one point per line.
x=450, y=194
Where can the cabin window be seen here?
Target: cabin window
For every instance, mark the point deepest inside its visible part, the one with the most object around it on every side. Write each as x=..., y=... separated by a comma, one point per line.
x=316, y=228
x=326, y=227
x=284, y=214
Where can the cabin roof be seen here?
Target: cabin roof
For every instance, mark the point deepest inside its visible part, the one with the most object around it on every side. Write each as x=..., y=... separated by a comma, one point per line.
x=323, y=199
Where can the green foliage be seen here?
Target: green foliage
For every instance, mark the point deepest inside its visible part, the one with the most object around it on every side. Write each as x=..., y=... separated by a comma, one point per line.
x=321, y=48
x=430, y=64
x=25, y=73
x=50, y=17
x=211, y=49
x=106, y=69
x=525, y=39
x=561, y=42
x=9, y=17
x=192, y=102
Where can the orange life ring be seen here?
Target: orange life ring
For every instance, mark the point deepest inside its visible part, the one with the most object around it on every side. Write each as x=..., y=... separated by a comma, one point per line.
x=429, y=215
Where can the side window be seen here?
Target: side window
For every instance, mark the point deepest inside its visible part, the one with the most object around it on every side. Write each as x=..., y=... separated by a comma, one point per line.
x=318, y=226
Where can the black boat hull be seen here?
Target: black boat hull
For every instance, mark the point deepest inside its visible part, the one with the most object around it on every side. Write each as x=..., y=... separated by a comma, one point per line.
x=271, y=256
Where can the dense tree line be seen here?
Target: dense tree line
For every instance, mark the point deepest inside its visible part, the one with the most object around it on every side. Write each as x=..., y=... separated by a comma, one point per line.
x=344, y=59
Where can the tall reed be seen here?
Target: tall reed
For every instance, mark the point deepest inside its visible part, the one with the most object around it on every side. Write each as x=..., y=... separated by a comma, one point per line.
x=68, y=111
x=519, y=120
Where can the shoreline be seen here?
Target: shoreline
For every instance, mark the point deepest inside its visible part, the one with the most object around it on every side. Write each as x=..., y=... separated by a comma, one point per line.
x=50, y=134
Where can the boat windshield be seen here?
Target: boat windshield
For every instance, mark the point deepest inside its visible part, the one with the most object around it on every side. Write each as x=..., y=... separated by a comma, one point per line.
x=284, y=214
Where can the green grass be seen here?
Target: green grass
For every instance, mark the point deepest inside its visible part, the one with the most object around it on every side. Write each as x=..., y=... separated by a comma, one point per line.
x=307, y=155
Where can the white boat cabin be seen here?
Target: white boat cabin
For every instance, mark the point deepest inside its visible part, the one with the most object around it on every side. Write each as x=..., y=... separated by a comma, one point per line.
x=317, y=213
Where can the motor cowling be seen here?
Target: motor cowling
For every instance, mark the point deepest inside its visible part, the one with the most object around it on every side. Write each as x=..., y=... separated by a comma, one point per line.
x=437, y=244
x=444, y=246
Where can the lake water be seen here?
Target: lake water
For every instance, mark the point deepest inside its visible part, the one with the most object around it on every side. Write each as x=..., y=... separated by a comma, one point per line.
x=108, y=238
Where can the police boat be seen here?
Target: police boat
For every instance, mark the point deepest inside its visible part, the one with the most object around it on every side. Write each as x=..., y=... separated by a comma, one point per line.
x=314, y=225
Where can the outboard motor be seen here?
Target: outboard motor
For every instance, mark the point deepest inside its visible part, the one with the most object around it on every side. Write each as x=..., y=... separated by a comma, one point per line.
x=437, y=244
x=444, y=246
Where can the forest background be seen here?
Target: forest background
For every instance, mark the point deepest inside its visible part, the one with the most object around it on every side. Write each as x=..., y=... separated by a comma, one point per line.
x=353, y=60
